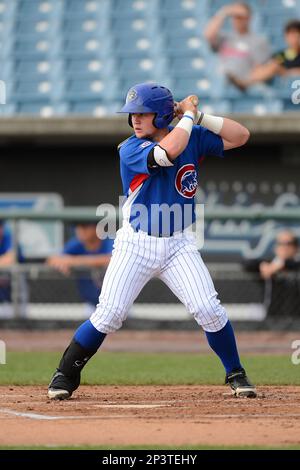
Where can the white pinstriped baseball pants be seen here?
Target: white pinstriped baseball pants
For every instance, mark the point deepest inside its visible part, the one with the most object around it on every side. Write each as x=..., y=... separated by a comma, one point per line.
x=136, y=258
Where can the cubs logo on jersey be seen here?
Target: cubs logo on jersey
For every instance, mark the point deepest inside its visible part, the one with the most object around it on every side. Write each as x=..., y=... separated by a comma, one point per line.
x=186, y=180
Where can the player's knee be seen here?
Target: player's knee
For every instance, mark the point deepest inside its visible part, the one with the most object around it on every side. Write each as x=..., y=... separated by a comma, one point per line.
x=211, y=316
x=108, y=318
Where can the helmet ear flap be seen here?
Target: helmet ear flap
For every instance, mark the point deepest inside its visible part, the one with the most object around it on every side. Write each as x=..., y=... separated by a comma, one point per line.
x=130, y=120
x=154, y=121
x=161, y=122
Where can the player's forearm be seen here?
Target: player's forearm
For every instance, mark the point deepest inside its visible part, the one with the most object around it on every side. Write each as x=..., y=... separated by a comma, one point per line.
x=7, y=259
x=295, y=72
x=213, y=28
x=92, y=261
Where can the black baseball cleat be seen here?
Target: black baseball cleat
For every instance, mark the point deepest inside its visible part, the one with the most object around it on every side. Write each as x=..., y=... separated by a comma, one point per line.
x=61, y=387
x=240, y=384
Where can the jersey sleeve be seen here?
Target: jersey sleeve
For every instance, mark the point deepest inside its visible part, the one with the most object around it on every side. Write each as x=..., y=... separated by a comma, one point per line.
x=134, y=155
x=207, y=143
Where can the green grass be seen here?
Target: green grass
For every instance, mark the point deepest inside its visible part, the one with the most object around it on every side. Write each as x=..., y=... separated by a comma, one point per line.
x=118, y=368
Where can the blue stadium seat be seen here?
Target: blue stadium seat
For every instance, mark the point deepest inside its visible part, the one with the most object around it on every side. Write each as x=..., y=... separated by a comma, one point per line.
x=39, y=69
x=133, y=47
x=285, y=8
x=36, y=49
x=43, y=7
x=39, y=29
x=202, y=87
x=185, y=46
x=44, y=108
x=275, y=23
x=6, y=29
x=92, y=108
x=90, y=48
x=257, y=107
x=7, y=109
x=38, y=10
x=85, y=28
x=134, y=8
x=82, y=8
x=78, y=90
x=7, y=11
x=89, y=68
x=290, y=106
x=6, y=69
x=37, y=90
x=286, y=87
x=194, y=67
x=218, y=107
x=136, y=66
x=187, y=25
x=182, y=6
x=96, y=108
x=6, y=46
x=133, y=25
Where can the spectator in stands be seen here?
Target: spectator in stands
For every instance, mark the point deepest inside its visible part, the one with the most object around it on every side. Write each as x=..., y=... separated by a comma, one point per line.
x=239, y=50
x=84, y=250
x=8, y=258
x=285, y=63
x=286, y=256
x=7, y=254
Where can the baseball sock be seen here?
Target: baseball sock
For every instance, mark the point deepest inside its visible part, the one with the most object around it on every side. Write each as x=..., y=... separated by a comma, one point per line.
x=88, y=336
x=83, y=346
x=223, y=344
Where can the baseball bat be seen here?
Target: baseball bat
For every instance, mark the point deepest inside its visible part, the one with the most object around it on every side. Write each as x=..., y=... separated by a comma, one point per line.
x=194, y=99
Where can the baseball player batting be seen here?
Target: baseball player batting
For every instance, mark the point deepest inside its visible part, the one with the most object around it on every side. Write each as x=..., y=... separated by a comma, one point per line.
x=159, y=165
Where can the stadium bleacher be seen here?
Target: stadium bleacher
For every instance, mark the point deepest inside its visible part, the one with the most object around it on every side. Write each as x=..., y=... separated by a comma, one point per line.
x=81, y=56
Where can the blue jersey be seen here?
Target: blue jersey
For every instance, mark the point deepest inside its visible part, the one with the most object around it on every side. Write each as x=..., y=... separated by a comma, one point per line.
x=151, y=190
x=6, y=245
x=76, y=247
x=5, y=242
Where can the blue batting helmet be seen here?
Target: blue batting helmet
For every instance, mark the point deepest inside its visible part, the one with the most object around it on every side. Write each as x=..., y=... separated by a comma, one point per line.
x=150, y=98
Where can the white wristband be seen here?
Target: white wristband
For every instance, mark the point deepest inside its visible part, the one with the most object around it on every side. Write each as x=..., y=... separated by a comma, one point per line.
x=187, y=122
x=212, y=123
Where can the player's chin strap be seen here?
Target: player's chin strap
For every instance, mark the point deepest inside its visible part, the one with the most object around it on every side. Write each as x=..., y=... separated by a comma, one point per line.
x=212, y=123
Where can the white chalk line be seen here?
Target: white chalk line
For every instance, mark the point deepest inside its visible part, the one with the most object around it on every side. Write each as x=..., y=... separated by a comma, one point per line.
x=42, y=417
x=134, y=406
x=39, y=417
